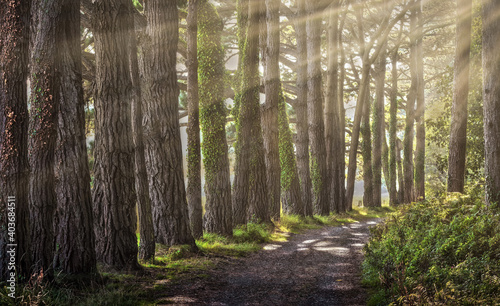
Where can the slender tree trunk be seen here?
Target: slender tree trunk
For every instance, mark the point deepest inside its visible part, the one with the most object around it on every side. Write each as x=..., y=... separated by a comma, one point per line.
x=271, y=105
x=302, y=142
x=290, y=183
x=399, y=161
x=491, y=98
x=420, y=113
x=44, y=107
x=393, y=126
x=458, y=129
x=146, y=228
x=193, y=129
x=333, y=130
x=75, y=252
x=114, y=193
x=14, y=57
x=162, y=130
x=218, y=216
x=410, y=111
x=385, y=160
x=320, y=184
x=250, y=192
x=366, y=148
x=342, y=145
x=379, y=127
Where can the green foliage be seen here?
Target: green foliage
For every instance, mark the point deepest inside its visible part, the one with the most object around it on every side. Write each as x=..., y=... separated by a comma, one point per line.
x=444, y=252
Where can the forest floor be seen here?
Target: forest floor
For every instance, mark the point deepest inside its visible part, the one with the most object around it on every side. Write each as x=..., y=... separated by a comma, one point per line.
x=316, y=267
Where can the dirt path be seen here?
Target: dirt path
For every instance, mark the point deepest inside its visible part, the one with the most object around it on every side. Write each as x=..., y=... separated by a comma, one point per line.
x=318, y=267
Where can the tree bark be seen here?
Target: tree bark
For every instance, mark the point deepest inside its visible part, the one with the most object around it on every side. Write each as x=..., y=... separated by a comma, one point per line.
x=270, y=109
x=420, y=112
x=302, y=141
x=401, y=179
x=458, y=126
x=14, y=166
x=316, y=125
x=333, y=131
x=44, y=107
x=491, y=100
x=161, y=126
x=366, y=149
x=146, y=229
x=393, y=126
x=218, y=215
x=193, y=129
x=114, y=193
x=342, y=145
x=75, y=241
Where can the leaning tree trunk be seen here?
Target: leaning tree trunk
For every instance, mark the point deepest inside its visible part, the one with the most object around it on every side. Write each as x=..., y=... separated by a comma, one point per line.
x=320, y=184
x=75, y=252
x=146, y=229
x=302, y=141
x=270, y=108
x=218, y=215
x=114, y=193
x=458, y=128
x=333, y=131
x=420, y=113
x=250, y=201
x=290, y=183
x=44, y=107
x=193, y=129
x=378, y=127
x=161, y=130
x=393, y=126
x=14, y=56
x=491, y=98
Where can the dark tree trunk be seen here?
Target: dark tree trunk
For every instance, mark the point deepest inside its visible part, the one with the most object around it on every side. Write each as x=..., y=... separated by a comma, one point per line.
x=420, y=112
x=250, y=201
x=290, y=183
x=193, y=129
x=114, y=193
x=385, y=160
x=491, y=98
x=393, y=126
x=342, y=145
x=218, y=215
x=333, y=131
x=270, y=109
x=410, y=112
x=146, y=228
x=44, y=107
x=161, y=129
x=75, y=252
x=319, y=178
x=366, y=149
x=379, y=127
x=458, y=128
x=302, y=141
x=14, y=56
x=399, y=162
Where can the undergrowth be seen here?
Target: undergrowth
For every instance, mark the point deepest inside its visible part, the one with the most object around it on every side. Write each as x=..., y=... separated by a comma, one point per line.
x=440, y=252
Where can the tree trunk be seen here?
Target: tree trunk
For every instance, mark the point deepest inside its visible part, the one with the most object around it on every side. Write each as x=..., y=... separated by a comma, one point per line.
x=75, y=252
x=401, y=180
x=491, y=98
x=319, y=178
x=333, y=132
x=44, y=107
x=393, y=126
x=302, y=141
x=218, y=216
x=290, y=183
x=458, y=126
x=146, y=229
x=379, y=127
x=342, y=145
x=410, y=111
x=14, y=56
x=114, y=193
x=250, y=201
x=161, y=129
x=420, y=113
x=271, y=106
x=193, y=129
x=366, y=149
